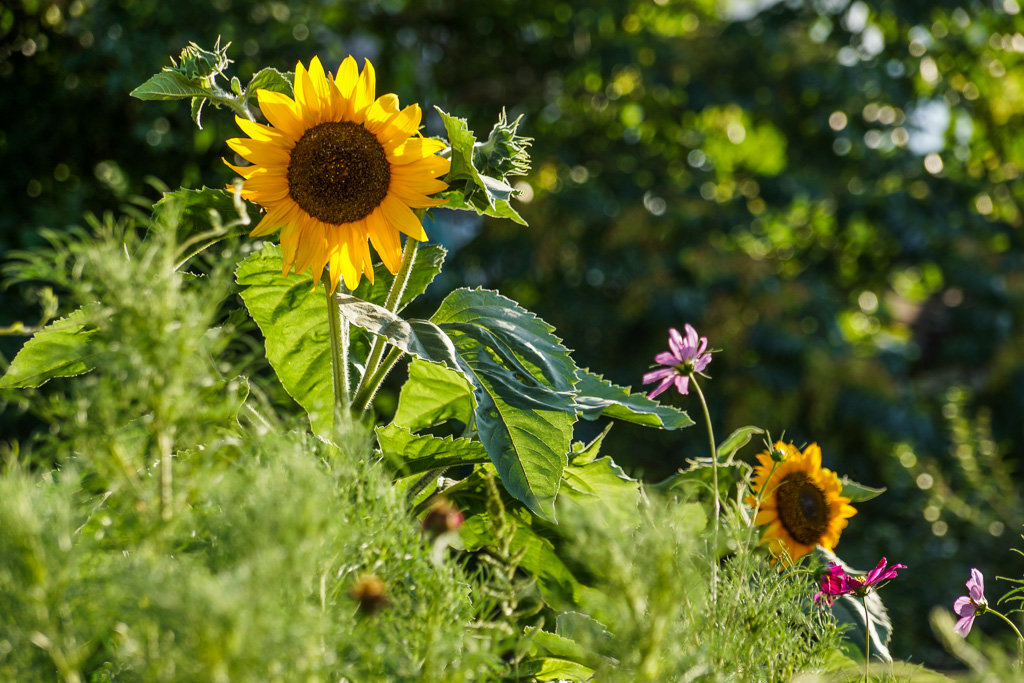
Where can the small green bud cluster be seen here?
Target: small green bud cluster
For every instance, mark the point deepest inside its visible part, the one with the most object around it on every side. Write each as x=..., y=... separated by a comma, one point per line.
x=504, y=153
x=197, y=63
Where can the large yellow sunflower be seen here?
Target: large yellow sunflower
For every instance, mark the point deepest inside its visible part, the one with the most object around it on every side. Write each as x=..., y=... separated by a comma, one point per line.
x=336, y=166
x=801, y=504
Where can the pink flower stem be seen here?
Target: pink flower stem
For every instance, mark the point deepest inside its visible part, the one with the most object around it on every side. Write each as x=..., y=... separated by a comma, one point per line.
x=867, y=637
x=714, y=481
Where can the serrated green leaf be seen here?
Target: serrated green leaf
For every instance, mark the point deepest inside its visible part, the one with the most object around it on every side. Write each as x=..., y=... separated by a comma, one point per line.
x=597, y=396
x=524, y=383
x=197, y=111
x=61, y=349
x=432, y=395
x=582, y=453
x=737, y=440
x=268, y=79
x=461, y=141
x=293, y=319
x=413, y=454
x=858, y=493
x=602, y=480
x=168, y=85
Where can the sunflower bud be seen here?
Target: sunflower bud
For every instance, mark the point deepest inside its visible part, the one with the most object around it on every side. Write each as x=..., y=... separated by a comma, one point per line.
x=504, y=153
x=370, y=592
x=197, y=63
x=442, y=517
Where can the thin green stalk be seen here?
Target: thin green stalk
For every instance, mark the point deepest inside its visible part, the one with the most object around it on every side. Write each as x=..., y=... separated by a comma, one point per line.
x=1020, y=638
x=366, y=389
x=364, y=395
x=339, y=350
x=867, y=637
x=714, y=481
x=165, y=446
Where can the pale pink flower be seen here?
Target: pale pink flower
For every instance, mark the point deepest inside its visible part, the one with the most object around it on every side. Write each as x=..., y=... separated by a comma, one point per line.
x=969, y=606
x=684, y=356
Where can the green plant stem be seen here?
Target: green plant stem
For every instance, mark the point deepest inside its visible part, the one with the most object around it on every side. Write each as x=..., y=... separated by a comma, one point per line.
x=339, y=349
x=1020, y=638
x=714, y=481
x=867, y=637
x=165, y=446
x=364, y=395
x=366, y=388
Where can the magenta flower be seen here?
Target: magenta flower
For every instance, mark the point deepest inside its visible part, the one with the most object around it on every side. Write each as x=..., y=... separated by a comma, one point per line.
x=684, y=356
x=969, y=606
x=837, y=582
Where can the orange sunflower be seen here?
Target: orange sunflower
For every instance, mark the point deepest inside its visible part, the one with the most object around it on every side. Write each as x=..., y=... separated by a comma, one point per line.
x=335, y=167
x=801, y=505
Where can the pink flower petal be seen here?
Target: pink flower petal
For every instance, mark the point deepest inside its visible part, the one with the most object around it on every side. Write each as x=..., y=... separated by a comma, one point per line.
x=963, y=626
x=665, y=384
x=675, y=342
x=964, y=607
x=976, y=585
x=682, y=384
x=666, y=358
x=655, y=375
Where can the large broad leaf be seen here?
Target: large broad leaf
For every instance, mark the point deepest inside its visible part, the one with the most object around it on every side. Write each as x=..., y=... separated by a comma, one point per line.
x=737, y=440
x=413, y=454
x=169, y=85
x=293, y=319
x=524, y=384
x=61, y=349
x=598, y=397
x=434, y=394
x=600, y=485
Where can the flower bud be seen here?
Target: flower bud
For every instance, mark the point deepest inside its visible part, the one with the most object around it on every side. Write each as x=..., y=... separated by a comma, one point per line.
x=197, y=63
x=370, y=592
x=442, y=517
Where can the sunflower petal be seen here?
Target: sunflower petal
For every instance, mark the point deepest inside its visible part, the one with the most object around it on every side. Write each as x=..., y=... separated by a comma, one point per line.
x=244, y=171
x=364, y=93
x=380, y=113
x=282, y=112
x=259, y=152
x=402, y=125
x=385, y=240
x=402, y=217
x=346, y=79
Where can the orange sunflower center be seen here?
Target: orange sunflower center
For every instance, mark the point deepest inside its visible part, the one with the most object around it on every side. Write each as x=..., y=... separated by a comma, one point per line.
x=802, y=508
x=338, y=172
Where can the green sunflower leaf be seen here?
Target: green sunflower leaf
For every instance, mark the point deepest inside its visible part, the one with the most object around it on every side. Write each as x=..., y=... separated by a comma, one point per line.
x=293, y=319
x=524, y=384
x=858, y=493
x=268, y=79
x=432, y=395
x=413, y=454
x=61, y=349
x=597, y=396
x=737, y=440
x=169, y=85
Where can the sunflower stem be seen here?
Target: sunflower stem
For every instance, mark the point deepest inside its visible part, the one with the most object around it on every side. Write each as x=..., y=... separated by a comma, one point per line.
x=714, y=481
x=371, y=379
x=339, y=350
x=365, y=394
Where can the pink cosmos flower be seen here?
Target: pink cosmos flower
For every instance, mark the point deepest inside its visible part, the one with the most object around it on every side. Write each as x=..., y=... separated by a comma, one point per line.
x=685, y=356
x=837, y=582
x=969, y=606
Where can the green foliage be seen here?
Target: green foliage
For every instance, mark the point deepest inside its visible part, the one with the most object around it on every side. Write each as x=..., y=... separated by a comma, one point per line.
x=61, y=349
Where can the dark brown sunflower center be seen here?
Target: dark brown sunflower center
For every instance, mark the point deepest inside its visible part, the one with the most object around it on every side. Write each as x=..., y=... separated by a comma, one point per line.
x=802, y=508
x=338, y=172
